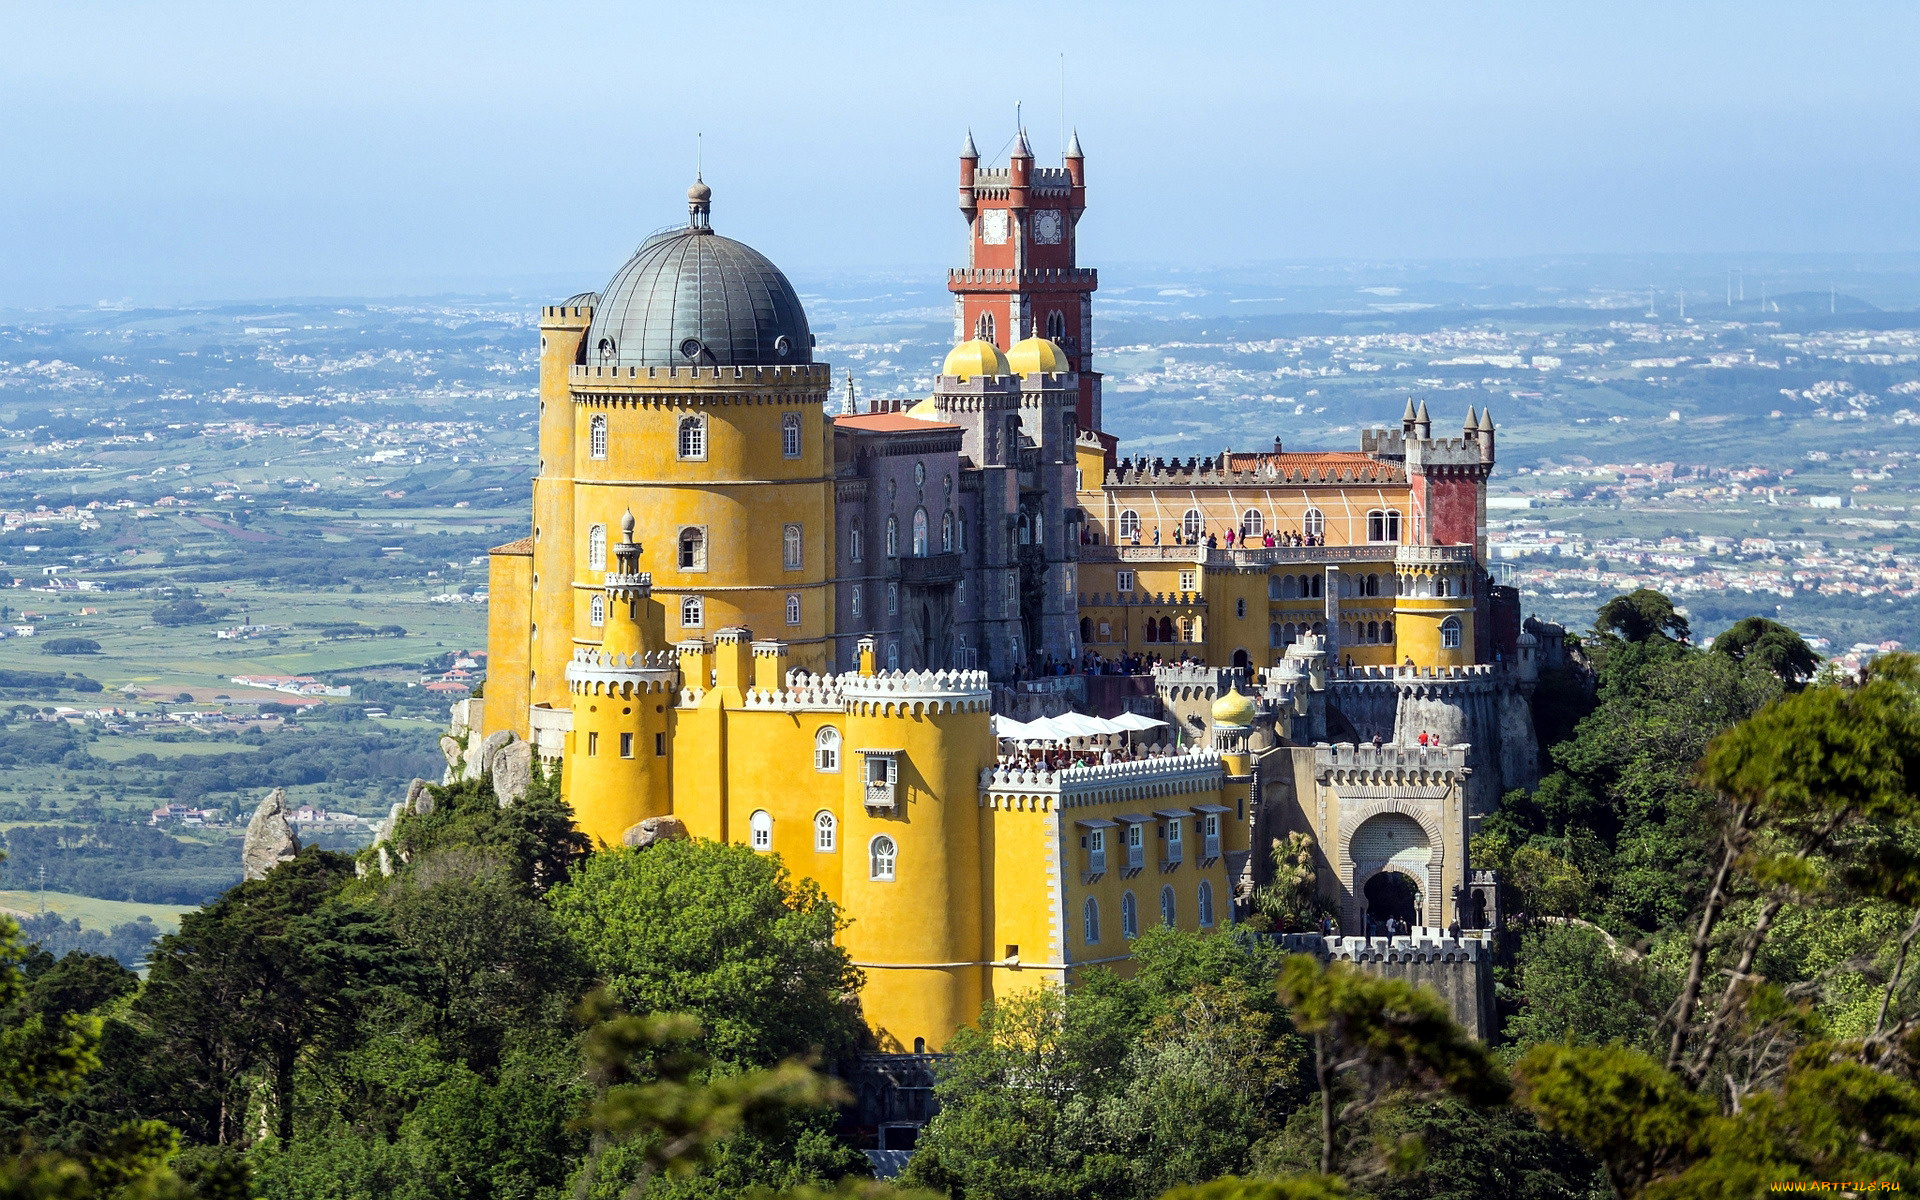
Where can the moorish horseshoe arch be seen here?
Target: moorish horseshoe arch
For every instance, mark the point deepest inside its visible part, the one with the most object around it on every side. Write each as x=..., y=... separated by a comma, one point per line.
x=1421, y=813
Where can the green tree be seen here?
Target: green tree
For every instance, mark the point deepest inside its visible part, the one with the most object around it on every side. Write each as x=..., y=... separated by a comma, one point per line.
x=1374, y=1038
x=1772, y=647
x=722, y=934
x=1642, y=615
x=1577, y=984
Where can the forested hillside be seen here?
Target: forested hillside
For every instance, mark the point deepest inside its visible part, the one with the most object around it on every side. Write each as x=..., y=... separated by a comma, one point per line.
x=1713, y=896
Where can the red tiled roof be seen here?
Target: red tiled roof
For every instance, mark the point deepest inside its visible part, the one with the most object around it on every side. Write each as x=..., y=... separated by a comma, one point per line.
x=523, y=546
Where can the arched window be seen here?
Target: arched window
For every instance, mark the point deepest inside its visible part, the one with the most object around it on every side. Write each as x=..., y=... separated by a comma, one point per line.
x=793, y=608
x=693, y=437
x=1450, y=634
x=825, y=832
x=1346, y=631
x=790, y=435
x=1186, y=629
x=893, y=538
x=1166, y=629
x=1346, y=584
x=880, y=858
x=1240, y=607
x=1252, y=524
x=1193, y=524
x=1370, y=585
x=1206, y=904
x=693, y=548
x=1129, y=916
x=1129, y=525
x=1273, y=636
x=790, y=547
x=893, y=599
x=1090, y=921
x=853, y=544
x=946, y=533
x=1386, y=631
x=983, y=328
x=606, y=354
x=597, y=548
x=597, y=435
x=1383, y=525
x=1086, y=629
x=1167, y=912
x=760, y=829
x=1314, y=524
x=1319, y=586
x=1056, y=326
x=960, y=533
x=597, y=611
x=1373, y=631
x=693, y=612
x=919, y=533
x=826, y=750
x=855, y=602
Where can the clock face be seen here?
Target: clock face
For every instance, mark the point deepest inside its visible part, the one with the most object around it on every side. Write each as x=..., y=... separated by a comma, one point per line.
x=993, y=227
x=1047, y=227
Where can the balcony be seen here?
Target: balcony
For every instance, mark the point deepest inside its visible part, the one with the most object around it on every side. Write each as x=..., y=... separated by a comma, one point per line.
x=1136, y=858
x=930, y=570
x=1096, y=862
x=1210, y=847
x=1172, y=853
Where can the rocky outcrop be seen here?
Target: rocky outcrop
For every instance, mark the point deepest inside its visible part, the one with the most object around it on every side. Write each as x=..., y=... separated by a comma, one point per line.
x=451, y=748
x=419, y=799
x=270, y=838
x=512, y=770
x=655, y=829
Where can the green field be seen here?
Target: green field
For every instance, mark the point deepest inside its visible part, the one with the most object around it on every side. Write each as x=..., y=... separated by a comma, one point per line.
x=92, y=913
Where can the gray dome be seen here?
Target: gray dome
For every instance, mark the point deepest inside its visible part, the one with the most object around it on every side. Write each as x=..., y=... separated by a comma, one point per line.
x=690, y=297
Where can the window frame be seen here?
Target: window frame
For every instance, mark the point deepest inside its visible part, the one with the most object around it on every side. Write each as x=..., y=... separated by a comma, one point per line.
x=883, y=865
x=1253, y=523
x=1090, y=921
x=596, y=547
x=1129, y=525
x=826, y=833
x=760, y=831
x=690, y=438
x=793, y=608
x=1451, y=631
x=694, y=536
x=1193, y=523
x=696, y=608
x=790, y=435
x=826, y=750
x=597, y=610
x=597, y=437
x=793, y=546
x=1129, y=915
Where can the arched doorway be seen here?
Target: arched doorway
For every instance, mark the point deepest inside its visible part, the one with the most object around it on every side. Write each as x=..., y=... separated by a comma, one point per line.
x=1241, y=661
x=1392, y=894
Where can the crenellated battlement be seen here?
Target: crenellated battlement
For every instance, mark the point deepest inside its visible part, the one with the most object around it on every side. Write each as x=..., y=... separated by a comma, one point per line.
x=1423, y=945
x=786, y=375
x=571, y=316
x=900, y=693
x=1216, y=471
x=595, y=672
x=1000, y=277
x=1141, y=779
x=1345, y=762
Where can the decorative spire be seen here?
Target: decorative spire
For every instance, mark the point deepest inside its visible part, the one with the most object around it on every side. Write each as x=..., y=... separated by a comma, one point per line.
x=1422, y=416
x=699, y=204
x=850, y=406
x=1073, y=147
x=1486, y=419
x=969, y=150
x=1473, y=422
x=1408, y=418
x=1020, y=147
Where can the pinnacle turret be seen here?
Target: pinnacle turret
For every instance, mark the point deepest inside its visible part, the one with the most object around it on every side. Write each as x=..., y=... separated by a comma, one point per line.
x=1073, y=147
x=1473, y=423
x=969, y=150
x=1020, y=147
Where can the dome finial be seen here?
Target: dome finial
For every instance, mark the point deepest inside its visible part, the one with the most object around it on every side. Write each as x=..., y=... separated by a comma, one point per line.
x=699, y=205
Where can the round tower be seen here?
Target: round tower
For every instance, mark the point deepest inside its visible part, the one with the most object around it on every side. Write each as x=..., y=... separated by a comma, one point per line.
x=698, y=405
x=618, y=769
x=1433, y=614
x=917, y=742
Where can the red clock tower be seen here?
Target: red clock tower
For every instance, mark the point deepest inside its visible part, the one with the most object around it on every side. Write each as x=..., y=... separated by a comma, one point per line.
x=1020, y=279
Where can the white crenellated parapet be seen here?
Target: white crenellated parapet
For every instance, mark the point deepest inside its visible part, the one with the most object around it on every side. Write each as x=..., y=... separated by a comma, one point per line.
x=805, y=692
x=1345, y=762
x=1423, y=944
x=593, y=671
x=899, y=693
x=1007, y=781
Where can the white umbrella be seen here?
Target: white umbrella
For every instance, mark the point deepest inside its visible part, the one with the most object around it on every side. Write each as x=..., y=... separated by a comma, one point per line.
x=1073, y=724
x=1007, y=727
x=1135, y=722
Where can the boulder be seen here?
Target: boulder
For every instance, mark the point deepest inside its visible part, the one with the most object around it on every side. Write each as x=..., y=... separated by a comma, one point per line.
x=419, y=800
x=270, y=839
x=479, y=757
x=451, y=748
x=512, y=771
x=655, y=829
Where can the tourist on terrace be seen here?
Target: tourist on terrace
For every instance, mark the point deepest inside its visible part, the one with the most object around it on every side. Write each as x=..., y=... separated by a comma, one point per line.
x=1156, y=535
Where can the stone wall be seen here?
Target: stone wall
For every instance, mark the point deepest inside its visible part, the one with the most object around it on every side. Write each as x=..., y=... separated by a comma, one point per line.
x=1459, y=970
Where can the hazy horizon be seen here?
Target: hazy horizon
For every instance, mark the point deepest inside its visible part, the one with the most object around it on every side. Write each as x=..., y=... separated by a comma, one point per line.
x=209, y=150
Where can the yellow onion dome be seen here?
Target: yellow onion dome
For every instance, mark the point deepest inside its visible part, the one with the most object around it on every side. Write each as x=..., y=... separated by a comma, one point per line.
x=1037, y=355
x=925, y=410
x=975, y=358
x=1233, y=709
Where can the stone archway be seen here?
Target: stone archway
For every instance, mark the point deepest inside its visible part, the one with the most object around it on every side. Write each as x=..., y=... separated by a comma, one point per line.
x=1390, y=839
x=1392, y=893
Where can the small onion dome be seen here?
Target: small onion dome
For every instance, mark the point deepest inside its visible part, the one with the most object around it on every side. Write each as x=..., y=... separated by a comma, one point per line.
x=1233, y=709
x=699, y=192
x=975, y=358
x=1037, y=355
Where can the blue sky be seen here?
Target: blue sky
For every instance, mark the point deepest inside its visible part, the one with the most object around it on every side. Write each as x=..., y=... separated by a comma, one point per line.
x=198, y=151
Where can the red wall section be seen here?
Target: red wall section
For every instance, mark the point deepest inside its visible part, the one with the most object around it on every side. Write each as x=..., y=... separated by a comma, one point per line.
x=1452, y=505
